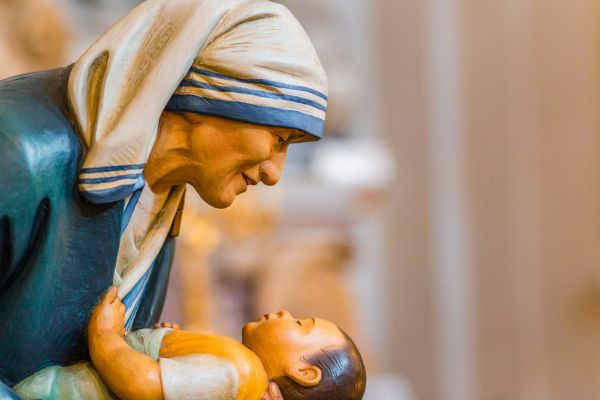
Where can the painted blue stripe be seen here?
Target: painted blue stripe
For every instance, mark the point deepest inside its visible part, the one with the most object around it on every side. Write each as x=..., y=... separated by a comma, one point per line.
x=104, y=196
x=130, y=298
x=258, y=82
x=139, y=286
x=245, y=112
x=111, y=168
x=259, y=93
x=129, y=322
x=110, y=178
x=130, y=207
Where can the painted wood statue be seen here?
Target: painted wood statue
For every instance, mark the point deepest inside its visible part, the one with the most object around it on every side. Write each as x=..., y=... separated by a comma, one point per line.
x=302, y=358
x=94, y=158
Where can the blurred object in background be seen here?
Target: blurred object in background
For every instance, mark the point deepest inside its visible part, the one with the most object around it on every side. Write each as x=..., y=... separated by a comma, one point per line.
x=307, y=274
x=91, y=18
x=388, y=387
x=218, y=255
x=34, y=35
x=492, y=110
x=360, y=164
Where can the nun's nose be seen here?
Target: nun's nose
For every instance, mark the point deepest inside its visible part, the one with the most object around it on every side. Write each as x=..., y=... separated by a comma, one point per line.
x=271, y=169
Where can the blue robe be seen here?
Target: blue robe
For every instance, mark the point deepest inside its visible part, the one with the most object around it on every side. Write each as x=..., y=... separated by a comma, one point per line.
x=57, y=253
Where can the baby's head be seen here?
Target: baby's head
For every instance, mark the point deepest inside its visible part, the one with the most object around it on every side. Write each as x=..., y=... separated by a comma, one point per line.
x=307, y=358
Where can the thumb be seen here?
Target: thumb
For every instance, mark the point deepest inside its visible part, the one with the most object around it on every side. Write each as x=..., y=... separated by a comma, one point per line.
x=274, y=392
x=111, y=295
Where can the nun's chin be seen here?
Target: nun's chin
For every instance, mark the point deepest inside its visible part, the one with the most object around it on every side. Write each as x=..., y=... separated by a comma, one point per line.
x=217, y=200
x=221, y=204
x=218, y=203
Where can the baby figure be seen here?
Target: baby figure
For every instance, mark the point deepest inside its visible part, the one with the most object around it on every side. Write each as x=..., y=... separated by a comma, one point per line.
x=280, y=357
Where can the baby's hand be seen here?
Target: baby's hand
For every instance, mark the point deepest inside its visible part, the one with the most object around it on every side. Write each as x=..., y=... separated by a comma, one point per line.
x=171, y=325
x=272, y=392
x=108, y=316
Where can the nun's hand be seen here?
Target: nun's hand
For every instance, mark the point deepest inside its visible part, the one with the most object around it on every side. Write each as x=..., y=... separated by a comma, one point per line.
x=109, y=315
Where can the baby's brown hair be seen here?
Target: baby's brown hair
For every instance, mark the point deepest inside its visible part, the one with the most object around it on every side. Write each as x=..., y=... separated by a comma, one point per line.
x=343, y=376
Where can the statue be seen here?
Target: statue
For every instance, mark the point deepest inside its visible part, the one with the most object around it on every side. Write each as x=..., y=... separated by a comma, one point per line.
x=94, y=158
x=304, y=358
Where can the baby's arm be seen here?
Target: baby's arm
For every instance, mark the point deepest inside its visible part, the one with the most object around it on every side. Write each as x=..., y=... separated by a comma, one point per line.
x=128, y=373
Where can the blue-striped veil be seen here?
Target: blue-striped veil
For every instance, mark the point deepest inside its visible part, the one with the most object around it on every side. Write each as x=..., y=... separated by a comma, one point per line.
x=248, y=60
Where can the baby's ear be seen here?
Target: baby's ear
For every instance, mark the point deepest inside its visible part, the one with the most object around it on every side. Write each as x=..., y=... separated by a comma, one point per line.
x=304, y=374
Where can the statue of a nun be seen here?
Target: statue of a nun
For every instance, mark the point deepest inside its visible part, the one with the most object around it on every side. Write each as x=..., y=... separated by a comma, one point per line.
x=94, y=158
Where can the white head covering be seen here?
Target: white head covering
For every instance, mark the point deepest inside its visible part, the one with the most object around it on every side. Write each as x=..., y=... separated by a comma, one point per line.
x=242, y=59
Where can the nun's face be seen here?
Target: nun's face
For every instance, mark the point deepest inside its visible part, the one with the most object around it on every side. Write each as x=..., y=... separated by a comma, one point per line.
x=219, y=157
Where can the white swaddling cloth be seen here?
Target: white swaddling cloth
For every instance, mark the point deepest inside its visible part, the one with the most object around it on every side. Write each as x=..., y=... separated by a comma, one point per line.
x=199, y=377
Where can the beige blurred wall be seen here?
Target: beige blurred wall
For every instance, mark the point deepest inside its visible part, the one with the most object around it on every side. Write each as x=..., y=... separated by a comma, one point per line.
x=34, y=35
x=532, y=86
x=493, y=110
x=401, y=70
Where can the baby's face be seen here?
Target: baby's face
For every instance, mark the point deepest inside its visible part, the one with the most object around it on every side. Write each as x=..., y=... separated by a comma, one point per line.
x=282, y=341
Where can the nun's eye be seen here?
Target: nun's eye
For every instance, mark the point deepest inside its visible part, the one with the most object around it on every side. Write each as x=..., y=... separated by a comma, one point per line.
x=280, y=140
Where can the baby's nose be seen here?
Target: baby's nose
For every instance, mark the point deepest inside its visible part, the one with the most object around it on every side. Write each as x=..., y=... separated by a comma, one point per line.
x=269, y=316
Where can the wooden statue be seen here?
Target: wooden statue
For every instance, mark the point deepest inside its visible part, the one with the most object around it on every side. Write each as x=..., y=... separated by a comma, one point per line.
x=303, y=358
x=94, y=158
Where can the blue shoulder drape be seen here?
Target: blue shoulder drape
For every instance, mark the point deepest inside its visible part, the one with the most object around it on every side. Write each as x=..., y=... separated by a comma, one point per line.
x=57, y=252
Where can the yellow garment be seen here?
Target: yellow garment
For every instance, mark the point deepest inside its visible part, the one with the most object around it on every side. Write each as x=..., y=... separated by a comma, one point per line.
x=252, y=377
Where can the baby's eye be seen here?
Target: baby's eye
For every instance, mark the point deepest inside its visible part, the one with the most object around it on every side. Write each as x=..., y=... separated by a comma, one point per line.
x=299, y=323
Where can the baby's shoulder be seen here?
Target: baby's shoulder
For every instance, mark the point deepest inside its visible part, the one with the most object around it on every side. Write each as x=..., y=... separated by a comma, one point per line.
x=253, y=377
x=182, y=343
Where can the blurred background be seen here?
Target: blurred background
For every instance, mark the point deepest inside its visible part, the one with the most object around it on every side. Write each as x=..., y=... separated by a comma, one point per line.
x=449, y=221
